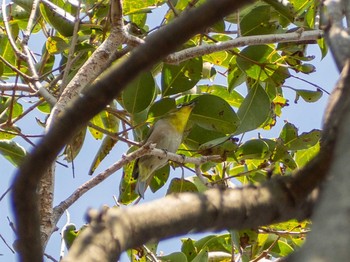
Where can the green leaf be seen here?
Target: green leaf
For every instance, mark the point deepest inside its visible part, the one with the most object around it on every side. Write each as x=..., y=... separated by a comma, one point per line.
x=222, y=146
x=201, y=187
x=302, y=157
x=25, y=4
x=202, y=256
x=305, y=140
x=8, y=54
x=214, y=113
x=189, y=249
x=161, y=107
x=281, y=249
x=127, y=185
x=254, y=110
x=233, y=98
x=58, y=18
x=107, y=145
x=257, y=22
x=258, y=62
x=235, y=77
x=218, y=58
x=288, y=161
x=219, y=243
x=105, y=121
x=323, y=46
x=254, y=149
x=284, y=8
x=12, y=151
x=56, y=45
x=199, y=136
x=139, y=94
x=308, y=95
x=16, y=110
x=289, y=133
x=174, y=257
x=7, y=133
x=160, y=178
x=178, y=185
x=135, y=6
x=182, y=77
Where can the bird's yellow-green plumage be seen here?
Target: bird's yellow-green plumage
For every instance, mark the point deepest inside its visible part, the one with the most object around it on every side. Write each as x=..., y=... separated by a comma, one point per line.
x=167, y=134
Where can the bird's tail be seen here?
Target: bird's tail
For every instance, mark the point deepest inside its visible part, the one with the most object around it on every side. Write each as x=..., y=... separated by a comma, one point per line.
x=141, y=185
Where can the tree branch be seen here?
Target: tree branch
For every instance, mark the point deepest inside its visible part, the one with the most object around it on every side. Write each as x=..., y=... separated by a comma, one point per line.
x=337, y=35
x=192, y=52
x=249, y=207
x=331, y=217
x=89, y=103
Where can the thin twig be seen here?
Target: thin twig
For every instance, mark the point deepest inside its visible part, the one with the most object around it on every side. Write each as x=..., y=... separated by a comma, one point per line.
x=9, y=247
x=147, y=149
x=74, y=41
x=192, y=52
x=5, y=193
x=30, y=23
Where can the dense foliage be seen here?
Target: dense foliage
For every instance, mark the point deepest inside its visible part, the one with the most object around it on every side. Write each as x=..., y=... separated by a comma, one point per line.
x=239, y=88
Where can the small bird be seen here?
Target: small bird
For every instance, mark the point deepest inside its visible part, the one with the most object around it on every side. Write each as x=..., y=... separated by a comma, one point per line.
x=167, y=134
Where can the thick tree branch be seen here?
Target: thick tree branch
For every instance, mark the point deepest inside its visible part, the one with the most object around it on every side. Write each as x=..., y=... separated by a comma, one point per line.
x=331, y=216
x=249, y=207
x=97, y=63
x=337, y=35
x=89, y=103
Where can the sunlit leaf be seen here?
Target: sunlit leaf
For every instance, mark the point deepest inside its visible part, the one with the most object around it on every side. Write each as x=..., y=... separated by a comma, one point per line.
x=233, y=98
x=305, y=140
x=323, y=46
x=304, y=156
x=257, y=22
x=174, y=257
x=254, y=110
x=12, y=151
x=59, y=19
x=188, y=248
x=160, y=178
x=214, y=113
x=139, y=94
x=289, y=133
x=308, y=95
x=127, y=185
x=235, y=77
x=199, y=135
x=107, y=145
x=178, y=185
x=56, y=45
x=258, y=62
x=202, y=256
x=254, y=149
x=135, y=6
x=182, y=77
